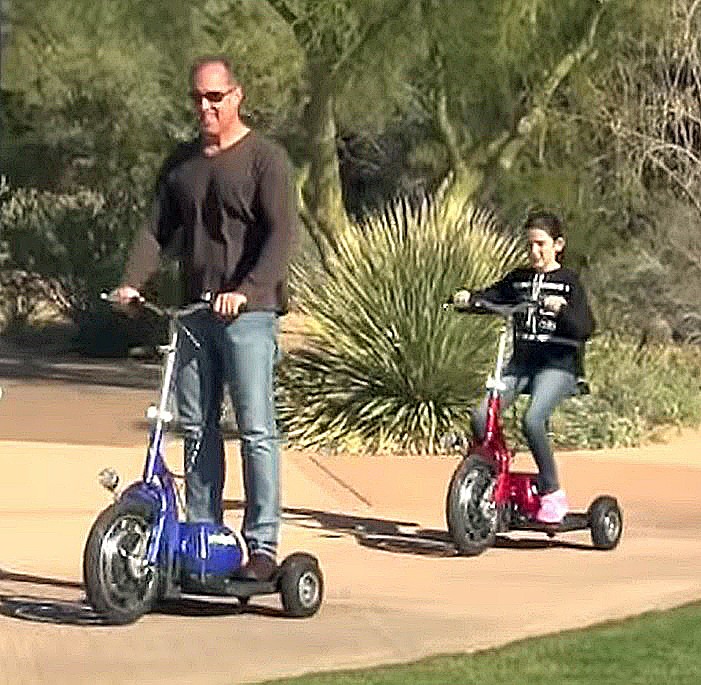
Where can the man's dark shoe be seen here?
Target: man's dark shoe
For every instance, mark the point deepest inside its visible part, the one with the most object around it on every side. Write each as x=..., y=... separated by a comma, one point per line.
x=260, y=568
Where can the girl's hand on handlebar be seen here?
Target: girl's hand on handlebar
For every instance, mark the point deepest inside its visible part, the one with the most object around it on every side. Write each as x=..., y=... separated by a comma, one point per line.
x=124, y=295
x=554, y=303
x=461, y=299
x=229, y=305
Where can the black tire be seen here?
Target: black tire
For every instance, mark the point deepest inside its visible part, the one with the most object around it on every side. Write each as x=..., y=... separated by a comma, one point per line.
x=605, y=522
x=117, y=584
x=301, y=585
x=470, y=511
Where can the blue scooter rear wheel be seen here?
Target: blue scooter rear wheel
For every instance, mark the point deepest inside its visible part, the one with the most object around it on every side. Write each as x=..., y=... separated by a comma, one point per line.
x=301, y=585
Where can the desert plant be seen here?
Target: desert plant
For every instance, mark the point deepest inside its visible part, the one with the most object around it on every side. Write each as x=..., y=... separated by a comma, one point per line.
x=386, y=367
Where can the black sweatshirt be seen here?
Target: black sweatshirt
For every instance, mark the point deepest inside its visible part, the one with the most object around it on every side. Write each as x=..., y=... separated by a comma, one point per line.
x=541, y=337
x=230, y=218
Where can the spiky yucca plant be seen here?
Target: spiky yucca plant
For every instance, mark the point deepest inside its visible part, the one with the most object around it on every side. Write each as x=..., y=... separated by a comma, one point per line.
x=386, y=368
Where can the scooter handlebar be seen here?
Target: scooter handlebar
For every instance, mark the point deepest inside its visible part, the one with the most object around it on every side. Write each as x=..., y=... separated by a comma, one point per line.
x=479, y=305
x=206, y=301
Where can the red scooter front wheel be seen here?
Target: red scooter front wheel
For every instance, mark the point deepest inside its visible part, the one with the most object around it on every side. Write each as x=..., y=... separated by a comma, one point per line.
x=471, y=512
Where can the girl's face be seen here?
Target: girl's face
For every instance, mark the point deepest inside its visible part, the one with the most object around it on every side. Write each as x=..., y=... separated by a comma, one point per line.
x=543, y=250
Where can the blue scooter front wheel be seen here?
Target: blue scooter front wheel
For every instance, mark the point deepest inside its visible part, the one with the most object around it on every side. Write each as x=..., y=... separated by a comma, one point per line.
x=119, y=583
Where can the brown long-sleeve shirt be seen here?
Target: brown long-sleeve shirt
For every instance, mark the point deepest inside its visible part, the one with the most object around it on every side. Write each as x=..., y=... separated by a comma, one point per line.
x=230, y=218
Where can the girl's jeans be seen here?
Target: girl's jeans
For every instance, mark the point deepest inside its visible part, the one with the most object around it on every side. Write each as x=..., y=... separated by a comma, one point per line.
x=547, y=388
x=240, y=354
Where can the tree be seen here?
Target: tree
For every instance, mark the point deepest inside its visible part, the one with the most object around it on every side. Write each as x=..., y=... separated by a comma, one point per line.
x=504, y=104
x=82, y=107
x=648, y=100
x=335, y=38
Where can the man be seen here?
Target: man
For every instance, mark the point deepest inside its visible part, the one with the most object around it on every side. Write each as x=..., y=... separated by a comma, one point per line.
x=225, y=206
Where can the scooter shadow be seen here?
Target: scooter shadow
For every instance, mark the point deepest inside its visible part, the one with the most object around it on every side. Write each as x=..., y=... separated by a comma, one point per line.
x=46, y=609
x=437, y=543
x=76, y=612
x=384, y=534
x=50, y=610
x=401, y=537
x=198, y=607
x=504, y=541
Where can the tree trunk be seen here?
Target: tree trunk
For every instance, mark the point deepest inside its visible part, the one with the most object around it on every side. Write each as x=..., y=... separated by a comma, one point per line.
x=322, y=192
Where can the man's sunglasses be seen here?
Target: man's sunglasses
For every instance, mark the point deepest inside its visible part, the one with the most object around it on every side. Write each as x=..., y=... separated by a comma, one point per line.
x=214, y=97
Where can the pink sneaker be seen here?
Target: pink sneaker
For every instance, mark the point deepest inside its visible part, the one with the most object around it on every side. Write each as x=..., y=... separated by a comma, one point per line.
x=553, y=507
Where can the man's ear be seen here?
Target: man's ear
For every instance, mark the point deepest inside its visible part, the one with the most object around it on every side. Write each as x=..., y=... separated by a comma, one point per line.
x=559, y=244
x=238, y=94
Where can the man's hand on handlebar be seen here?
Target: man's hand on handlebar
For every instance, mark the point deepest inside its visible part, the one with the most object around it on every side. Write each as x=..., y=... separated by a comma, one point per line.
x=230, y=305
x=227, y=305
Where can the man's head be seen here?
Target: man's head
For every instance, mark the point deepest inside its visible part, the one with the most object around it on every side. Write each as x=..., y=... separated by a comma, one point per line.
x=217, y=96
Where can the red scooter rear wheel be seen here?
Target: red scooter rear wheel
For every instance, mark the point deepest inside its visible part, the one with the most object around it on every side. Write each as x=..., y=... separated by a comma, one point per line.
x=605, y=522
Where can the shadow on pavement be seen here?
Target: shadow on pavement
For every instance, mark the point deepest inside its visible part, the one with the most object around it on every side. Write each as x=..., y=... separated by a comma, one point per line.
x=46, y=609
x=78, y=613
x=400, y=537
x=125, y=373
x=195, y=607
x=50, y=610
x=37, y=580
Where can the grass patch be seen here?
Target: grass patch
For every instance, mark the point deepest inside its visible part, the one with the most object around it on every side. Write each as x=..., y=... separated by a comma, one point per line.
x=655, y=648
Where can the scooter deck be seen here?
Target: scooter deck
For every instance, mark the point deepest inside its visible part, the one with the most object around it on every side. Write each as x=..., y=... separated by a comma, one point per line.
x=229, y=587
x=572, y=521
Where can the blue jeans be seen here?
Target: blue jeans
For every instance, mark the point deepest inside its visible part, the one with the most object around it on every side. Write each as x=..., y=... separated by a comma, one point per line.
x=240, y=354
x=547, y=388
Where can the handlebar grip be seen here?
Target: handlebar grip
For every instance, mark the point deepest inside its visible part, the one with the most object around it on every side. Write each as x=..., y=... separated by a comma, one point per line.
x=106, y=296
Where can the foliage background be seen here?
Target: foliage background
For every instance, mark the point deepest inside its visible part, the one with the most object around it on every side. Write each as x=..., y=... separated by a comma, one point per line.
x=589, y=107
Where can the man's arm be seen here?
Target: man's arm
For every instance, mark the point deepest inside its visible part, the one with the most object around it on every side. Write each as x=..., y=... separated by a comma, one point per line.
x=279, y=213
x=145, y=252
x=144, y=258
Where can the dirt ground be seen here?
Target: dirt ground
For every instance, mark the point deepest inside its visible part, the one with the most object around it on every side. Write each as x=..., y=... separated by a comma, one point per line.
x=395, y=591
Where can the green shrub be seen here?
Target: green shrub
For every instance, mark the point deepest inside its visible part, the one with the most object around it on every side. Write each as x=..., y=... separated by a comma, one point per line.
x=74, y=244
x=80, y=238
x=386, y=368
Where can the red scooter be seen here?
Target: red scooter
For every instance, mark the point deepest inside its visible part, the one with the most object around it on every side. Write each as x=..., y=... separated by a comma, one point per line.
x=485, y=497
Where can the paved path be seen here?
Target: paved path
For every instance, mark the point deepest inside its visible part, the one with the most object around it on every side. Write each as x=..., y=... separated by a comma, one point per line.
x=395, y=591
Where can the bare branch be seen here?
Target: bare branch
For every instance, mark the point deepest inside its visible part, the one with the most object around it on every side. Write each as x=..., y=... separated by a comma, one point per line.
x=283, y=9
x=651, y=103
x=530, y=121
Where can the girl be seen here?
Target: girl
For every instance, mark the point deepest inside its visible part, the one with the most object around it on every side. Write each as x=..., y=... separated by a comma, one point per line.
x=547, y=349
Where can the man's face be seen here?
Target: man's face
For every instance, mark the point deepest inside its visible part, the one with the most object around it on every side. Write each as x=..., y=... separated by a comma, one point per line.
x=216, y=100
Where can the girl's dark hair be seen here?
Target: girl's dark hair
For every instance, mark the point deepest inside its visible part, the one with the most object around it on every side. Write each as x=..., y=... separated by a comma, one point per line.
x=545, y=221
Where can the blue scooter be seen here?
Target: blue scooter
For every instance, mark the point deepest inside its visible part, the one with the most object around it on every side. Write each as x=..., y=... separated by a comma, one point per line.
x=140, y=552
